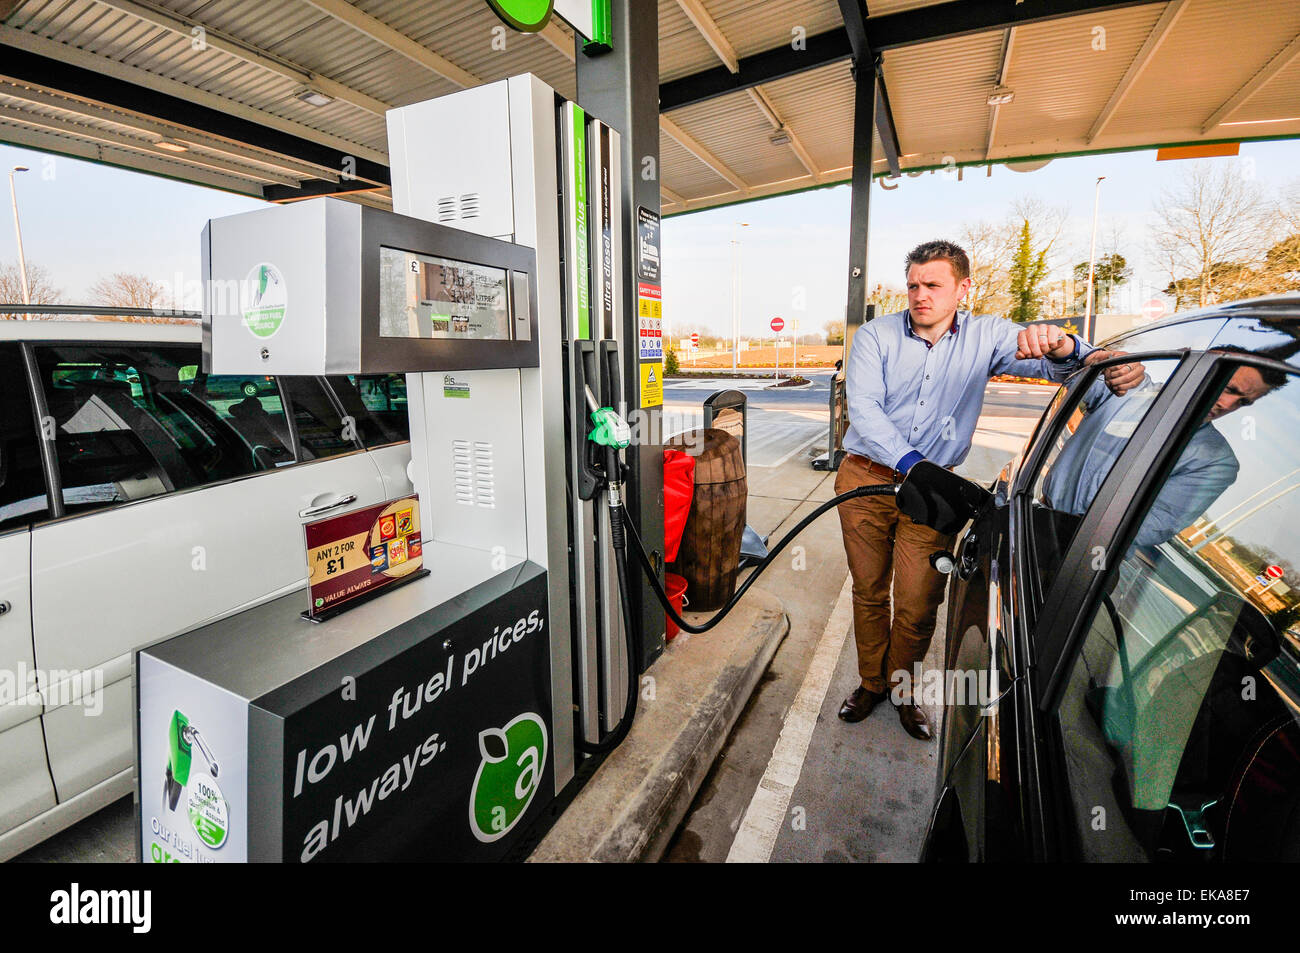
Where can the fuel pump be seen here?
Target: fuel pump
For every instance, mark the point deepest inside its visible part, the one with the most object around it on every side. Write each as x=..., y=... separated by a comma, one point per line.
x=439, y=718
x=397, y=729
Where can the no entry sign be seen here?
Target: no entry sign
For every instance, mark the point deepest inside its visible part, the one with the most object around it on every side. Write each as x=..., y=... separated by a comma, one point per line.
x=777, y=324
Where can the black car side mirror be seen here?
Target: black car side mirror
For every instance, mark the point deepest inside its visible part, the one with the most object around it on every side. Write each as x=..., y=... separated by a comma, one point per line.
x=940, y=498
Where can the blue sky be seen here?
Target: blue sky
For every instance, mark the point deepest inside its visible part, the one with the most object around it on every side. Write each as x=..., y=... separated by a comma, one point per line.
x=802, y=240
x=82, y=220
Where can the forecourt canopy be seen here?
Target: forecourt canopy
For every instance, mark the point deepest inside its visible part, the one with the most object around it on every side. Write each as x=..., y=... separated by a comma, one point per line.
x=285, y=99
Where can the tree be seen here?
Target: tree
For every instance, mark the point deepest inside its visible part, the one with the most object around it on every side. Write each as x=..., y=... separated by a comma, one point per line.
x=992, y=247
x=39, y=284
x=1213, y=231
x=670, y=362
x=834, y=332
x=1028, y=269
x=887, y=300
x=125, y=290
x=1282, y=264
x=1184, y=291
x=1282, y=260
x=985, y=244
x=1108, y=273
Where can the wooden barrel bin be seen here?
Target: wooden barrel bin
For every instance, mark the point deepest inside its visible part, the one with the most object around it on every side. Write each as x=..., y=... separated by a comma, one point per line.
x=710, y=550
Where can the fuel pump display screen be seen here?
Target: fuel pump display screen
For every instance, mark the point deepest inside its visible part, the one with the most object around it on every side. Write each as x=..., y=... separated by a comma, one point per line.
x=422, y=296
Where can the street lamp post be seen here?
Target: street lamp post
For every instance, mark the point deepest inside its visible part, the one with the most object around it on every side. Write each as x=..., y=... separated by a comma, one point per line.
x=22, y=261
x=735, y=293
x=1092, y=255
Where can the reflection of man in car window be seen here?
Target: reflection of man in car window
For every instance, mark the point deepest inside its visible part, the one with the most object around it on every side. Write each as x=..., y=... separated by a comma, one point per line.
x=1206, y=468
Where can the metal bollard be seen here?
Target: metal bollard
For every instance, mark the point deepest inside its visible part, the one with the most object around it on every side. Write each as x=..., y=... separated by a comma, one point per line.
x=729, y=410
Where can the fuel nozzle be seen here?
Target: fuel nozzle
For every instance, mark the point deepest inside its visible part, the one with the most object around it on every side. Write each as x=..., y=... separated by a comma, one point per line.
x=611, y=430
x=182, y=738
x=192, y=736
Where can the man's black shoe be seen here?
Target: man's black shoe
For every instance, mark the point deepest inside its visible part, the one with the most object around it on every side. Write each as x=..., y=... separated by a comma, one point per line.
x=913, y=720
x=858, y=705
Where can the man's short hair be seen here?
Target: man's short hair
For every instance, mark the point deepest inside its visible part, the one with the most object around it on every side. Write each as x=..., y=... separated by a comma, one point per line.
x=940, y=250
x=1272, y=377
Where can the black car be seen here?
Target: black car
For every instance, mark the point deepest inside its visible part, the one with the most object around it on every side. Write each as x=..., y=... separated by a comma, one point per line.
x=1122, y=664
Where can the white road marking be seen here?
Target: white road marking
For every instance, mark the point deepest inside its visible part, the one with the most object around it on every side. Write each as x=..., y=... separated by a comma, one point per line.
x=799, y=449
x=767, y=809
x=772, y=433
x=750, y=383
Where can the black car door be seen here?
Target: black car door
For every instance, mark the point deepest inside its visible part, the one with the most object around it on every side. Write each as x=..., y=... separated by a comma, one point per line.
x=977, y=675
x=989, y=805
x=1168, y=675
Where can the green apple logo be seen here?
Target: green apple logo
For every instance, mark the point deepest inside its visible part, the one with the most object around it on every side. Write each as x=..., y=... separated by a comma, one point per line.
x=527, y=16
x=508, y=776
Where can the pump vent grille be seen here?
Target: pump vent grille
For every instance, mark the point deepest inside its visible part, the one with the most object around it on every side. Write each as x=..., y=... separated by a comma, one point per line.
x=463, y=472
x=485, y=482
x=469, y=205
x=474, y=473
x=447, y=208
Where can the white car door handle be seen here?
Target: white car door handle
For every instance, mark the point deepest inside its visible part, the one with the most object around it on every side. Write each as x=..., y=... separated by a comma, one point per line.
x=318, y=510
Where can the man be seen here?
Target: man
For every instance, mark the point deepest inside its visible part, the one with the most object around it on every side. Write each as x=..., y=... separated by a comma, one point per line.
x=1205, y=469
x=915, y=384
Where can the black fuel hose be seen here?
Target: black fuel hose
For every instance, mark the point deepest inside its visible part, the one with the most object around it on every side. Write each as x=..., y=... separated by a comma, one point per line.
x=620, y=524
x=876, y=489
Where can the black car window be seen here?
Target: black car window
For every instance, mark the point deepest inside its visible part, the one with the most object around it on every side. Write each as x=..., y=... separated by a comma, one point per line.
x=252, y=407
x=133, y=421
x=1084, y=447
x=322, y=429
x=378, y=403
x=1195, y=334
x=22, y=482
x=1258, y=334
x=1179, y=716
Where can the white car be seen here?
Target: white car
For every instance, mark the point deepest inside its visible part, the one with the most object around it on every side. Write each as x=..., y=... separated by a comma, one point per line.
x=159, y=499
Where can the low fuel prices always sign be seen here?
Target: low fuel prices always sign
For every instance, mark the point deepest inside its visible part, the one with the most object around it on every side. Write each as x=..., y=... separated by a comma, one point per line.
x=441, y=752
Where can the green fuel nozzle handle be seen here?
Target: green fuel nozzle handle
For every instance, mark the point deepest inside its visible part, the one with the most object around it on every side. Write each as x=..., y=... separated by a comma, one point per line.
x=179, y=754
x=179, y=748
x=182, y=739
x=611, y=430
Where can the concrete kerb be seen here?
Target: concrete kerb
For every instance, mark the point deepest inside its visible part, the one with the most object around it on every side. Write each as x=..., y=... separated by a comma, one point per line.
x=631, y=807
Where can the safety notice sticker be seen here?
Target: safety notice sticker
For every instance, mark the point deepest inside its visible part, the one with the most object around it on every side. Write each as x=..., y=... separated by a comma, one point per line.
x=652, y=385
x=647, y=240
x=650, y=335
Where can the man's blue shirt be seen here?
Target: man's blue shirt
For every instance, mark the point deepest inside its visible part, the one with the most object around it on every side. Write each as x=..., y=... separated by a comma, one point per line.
x=910, y=400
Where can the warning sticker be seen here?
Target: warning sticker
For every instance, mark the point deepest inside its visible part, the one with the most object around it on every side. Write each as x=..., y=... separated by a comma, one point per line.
x=652, y=385
x=647, y=240
x=650, y=335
